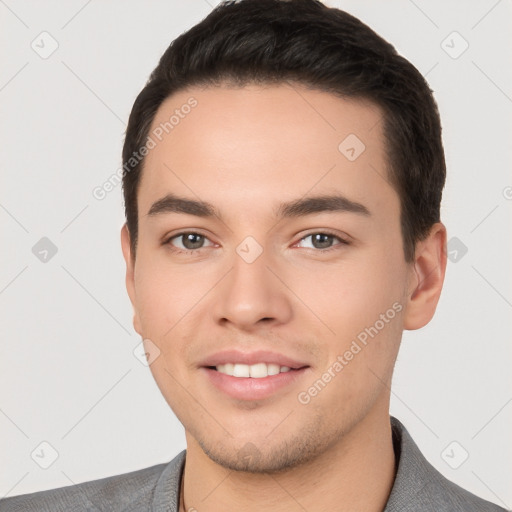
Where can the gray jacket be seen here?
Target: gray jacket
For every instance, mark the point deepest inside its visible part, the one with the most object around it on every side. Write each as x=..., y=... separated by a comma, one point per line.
x=418, y=487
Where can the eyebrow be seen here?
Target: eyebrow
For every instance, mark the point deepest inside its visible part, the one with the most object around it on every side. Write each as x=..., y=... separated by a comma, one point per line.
x=297, y=208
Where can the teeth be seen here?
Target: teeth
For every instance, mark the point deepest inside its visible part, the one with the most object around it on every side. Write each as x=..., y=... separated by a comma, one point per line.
x=241, y=370
x=272, y=369
x=256, y=371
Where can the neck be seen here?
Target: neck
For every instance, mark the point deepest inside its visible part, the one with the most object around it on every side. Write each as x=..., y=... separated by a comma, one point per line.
x=356, y=473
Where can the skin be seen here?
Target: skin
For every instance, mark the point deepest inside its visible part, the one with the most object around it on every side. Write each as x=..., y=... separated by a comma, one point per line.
x=245, y=150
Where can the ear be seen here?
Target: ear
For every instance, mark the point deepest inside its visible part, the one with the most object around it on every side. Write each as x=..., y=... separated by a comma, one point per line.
x=426, y=278
x=130, y=273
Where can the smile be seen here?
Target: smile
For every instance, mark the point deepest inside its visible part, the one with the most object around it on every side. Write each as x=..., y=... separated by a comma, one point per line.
x=255, y=371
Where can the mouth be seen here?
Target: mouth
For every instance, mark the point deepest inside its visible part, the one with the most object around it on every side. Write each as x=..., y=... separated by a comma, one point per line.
x=252, y=377
x=254, y=371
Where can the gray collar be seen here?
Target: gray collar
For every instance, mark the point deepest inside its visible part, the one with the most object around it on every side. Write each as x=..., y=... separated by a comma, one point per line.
x=418, y=485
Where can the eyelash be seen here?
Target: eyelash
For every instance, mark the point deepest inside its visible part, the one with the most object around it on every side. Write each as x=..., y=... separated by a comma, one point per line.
x=193, y=251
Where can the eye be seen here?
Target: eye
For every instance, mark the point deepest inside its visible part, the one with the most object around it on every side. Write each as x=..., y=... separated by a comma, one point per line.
x=322, y=241
x=190, y=241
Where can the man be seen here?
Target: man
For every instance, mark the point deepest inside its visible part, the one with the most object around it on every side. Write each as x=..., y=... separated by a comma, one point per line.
x=283, y=178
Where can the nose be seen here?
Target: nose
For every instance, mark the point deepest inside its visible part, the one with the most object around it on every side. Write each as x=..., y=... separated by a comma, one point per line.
x=252, y=295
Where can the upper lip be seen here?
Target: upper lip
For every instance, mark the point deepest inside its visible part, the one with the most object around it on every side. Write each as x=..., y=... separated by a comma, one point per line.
x=258, y=356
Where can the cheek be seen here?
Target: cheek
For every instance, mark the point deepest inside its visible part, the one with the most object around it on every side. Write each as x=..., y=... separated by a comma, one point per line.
x=362, y=304
x=379, y=280
x=359, y=368
x=352, y=295
x=163, y=302
x=169, y=301
x=164, y=296
x=153, y=296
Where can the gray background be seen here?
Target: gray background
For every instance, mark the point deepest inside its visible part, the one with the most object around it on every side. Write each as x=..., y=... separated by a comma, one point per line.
x=68, y=373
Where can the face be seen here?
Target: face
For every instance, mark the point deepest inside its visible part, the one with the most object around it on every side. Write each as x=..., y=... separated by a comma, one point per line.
x=276, y=309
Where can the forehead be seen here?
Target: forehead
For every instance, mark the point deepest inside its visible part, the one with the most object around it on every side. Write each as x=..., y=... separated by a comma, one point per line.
x=262, y=145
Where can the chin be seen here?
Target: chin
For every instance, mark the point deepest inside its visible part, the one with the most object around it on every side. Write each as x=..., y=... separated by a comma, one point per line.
x=263, y=457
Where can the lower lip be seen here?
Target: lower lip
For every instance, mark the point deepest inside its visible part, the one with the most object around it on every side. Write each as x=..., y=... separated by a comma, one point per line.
x=247, y=388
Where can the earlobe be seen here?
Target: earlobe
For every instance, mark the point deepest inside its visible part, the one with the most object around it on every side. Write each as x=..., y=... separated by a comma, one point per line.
x=427, y=277
x=130, y=273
